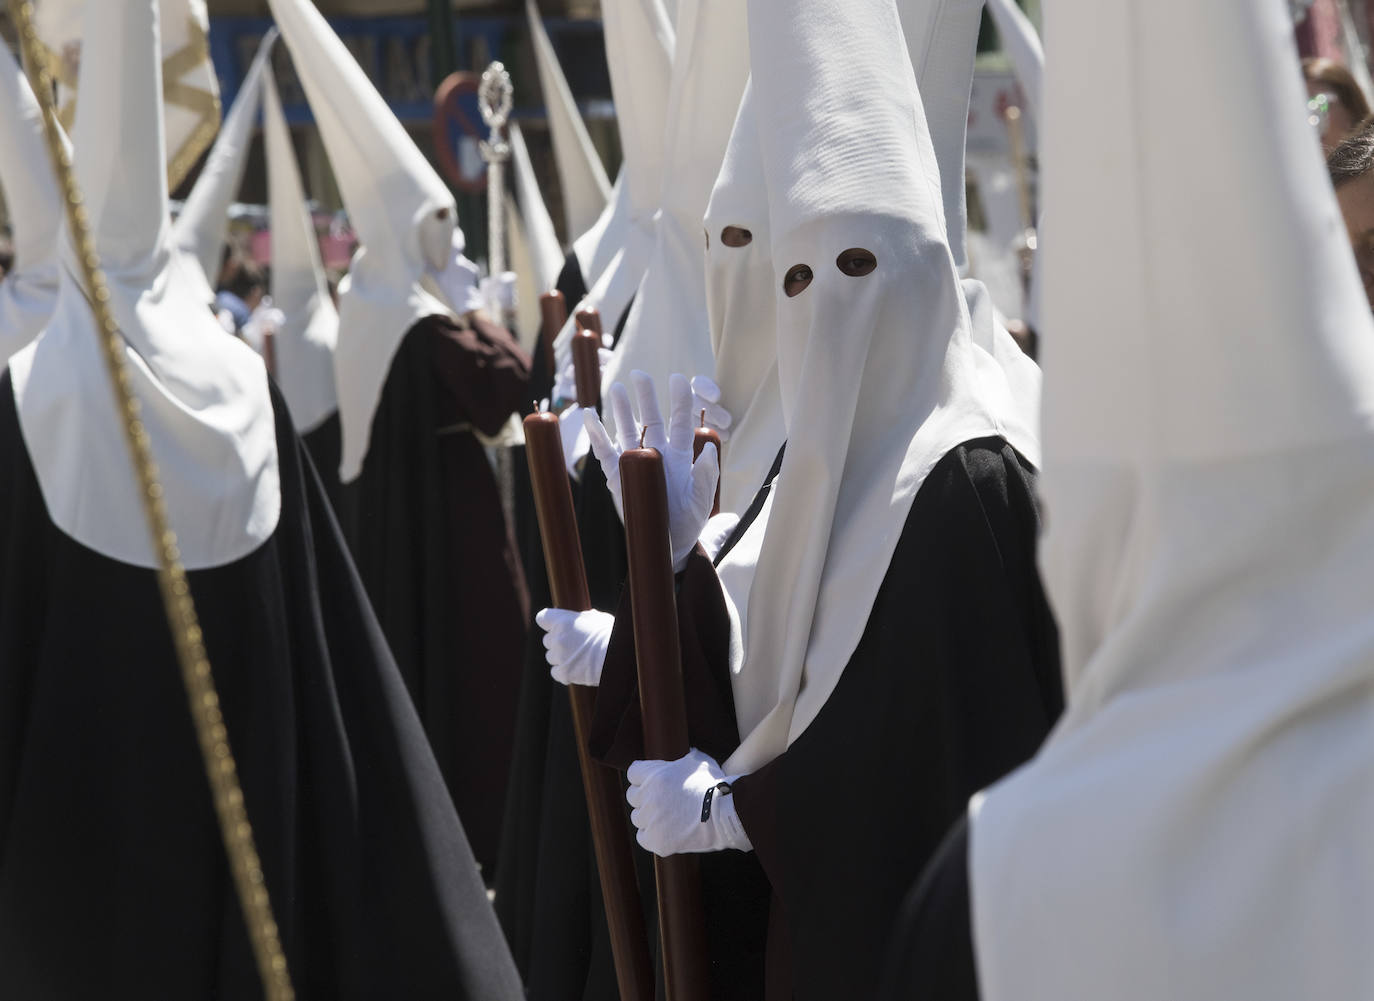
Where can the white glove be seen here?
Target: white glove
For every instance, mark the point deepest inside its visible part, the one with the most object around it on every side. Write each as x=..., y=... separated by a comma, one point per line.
x=573, y=430
x=460, y=280
x=498, y=292
x=706, y=396
x=266, y=320
x=717, y=533
x=565, y=384
x=684, y=806
x=691, y=488
x=575, y=644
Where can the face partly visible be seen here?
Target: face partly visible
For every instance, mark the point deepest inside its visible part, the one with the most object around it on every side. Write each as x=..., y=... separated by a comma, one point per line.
x=1356, y=199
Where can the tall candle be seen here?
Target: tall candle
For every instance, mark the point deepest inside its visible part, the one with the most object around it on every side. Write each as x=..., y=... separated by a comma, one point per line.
x=700, y=438
x=610, y=834
x=586, y=356
x=682, y=926
x=553, y=313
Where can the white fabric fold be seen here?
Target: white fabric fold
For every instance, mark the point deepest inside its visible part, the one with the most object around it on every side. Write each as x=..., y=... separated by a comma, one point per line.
x=28, y=293
x=582, y=177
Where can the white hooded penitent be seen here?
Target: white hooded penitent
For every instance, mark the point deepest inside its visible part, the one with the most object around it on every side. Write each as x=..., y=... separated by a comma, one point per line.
x=204, y=395
x=535, y=254
x=639, y=52
x=199, y=230
x=1198, y=824
x=582, y=178
x=304, y=343
x=29, y=291
x=668, y=330
x=875, y=361
x=403, y=215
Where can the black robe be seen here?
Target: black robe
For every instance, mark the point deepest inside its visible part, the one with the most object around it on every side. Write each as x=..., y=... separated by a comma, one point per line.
x=931, y=952
x=955, y=681
x=426, y=527
x=113, y=879
x=325, y=444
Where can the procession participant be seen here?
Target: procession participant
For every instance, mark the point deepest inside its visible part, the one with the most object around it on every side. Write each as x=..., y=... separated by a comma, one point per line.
x=640, y=56
x=416, y=390
x=28, y=288
x=895, y=649
x=668, y=329
x=113, y=875
x=303, y=345
x=1208, y=554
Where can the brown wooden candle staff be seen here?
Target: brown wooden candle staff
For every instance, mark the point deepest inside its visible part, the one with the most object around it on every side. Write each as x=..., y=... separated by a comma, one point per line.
x=702, y=437
x=605, y=794
x=553, y=313
x=586, y=355
x=681, y=921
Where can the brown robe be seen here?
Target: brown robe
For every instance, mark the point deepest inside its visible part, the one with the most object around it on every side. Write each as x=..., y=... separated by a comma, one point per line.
x=432, y=544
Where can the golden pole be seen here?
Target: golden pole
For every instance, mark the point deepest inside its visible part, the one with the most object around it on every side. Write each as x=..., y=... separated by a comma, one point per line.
x=171, y=575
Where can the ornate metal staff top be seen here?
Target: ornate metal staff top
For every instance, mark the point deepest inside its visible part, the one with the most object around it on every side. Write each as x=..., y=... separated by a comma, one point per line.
x=495, y=98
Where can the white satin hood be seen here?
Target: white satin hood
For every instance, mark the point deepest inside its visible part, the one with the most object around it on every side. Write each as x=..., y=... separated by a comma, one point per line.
x=304, y=344
x=1197, y=825
x=640, y=46
x=582, y=179
x=668, y=329
x=204, y=395
x=1021, y=43
x=28, y=293
x=402, y=212
x=878, y=374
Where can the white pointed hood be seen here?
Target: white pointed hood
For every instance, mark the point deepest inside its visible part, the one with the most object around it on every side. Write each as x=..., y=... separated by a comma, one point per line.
x=640, y=49
x=878, y=373
x=668, y=329
x=204, y=395
x=545, y=254
x=581, y=176
x=535, y=254
x=403, y=215
x=942, y=40
x=1197, y=825
x=29, y=292
x=1021, y=43
x=740, y=293
x=304, y=345
x=200, y=229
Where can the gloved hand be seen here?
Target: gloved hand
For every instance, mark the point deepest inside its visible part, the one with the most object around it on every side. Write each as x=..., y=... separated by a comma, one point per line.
x=672, y=812
x=265, y=321
x=575, y=644
x=565, y=384
x=691, y=488
x=706, y=396
x=717, y=532
x=459, y=280
x=498, y=292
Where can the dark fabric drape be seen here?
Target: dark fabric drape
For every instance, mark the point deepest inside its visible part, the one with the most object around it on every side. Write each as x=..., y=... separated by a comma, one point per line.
x=426, y=527
x=113, y=880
